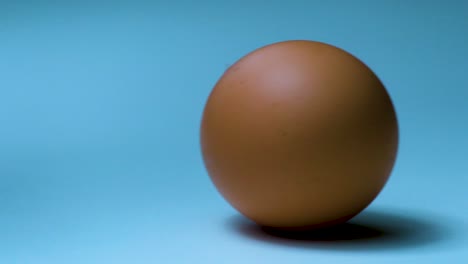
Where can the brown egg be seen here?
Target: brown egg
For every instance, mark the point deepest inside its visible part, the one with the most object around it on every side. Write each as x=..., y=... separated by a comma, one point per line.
x=299, y=135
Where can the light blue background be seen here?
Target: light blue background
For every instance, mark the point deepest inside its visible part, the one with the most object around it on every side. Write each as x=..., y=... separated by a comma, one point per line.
x=100, y=104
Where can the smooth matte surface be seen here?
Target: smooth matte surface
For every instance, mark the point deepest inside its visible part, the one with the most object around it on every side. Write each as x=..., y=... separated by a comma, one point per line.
x=100, y=106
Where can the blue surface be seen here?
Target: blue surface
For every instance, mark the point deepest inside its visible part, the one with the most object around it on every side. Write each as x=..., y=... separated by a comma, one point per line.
x=100, y=105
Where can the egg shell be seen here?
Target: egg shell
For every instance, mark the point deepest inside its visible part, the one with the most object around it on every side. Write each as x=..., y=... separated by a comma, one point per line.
x=298, y=135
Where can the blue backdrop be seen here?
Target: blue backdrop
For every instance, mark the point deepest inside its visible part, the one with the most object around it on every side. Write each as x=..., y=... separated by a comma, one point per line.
x=100, y=105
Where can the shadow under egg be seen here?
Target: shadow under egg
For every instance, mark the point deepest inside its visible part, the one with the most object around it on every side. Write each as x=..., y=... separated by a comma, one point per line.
x=370, y=230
